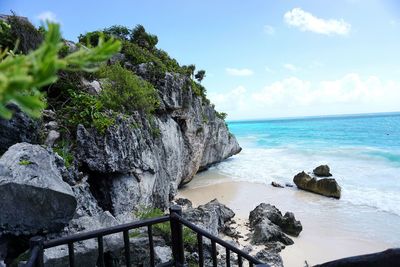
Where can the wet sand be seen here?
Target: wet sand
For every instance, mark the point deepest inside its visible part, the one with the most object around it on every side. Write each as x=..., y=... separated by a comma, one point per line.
x=331, y=230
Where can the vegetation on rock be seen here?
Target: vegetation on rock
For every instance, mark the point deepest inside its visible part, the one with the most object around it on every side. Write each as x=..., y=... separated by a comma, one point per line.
x=22, y=76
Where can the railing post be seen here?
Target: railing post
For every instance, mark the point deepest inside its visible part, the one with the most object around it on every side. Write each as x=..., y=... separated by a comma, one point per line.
x=37, y=241
x=177, y=236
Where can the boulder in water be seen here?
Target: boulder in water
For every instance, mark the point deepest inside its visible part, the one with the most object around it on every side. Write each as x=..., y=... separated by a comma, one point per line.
x=325, y=186
x=275, y=184
x=322, y=171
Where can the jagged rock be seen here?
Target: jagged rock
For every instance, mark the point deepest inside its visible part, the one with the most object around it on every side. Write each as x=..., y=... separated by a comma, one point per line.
x=288, y=185
x=184, y=203
x=322, y=171
x=211, y=216
x=93, y=87
x=275, y=184
x=270, y=258
x=326, y=186
x=51, y=138
x=51, y=125
x=86, y=251
x=20, y=128
x=72, y=47
x=290, y=225
x=117, y=57
x=31, y=184
x=183, y=146
x=265, y=231
x=269, y=225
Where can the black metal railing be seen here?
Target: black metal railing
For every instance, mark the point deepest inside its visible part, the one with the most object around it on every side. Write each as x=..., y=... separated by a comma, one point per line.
x=38, y=245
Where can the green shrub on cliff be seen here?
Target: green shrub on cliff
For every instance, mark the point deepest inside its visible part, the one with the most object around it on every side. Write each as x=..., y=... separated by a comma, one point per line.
x=143, y=39
x=17, y=32
x=22, y=76
x=87, y=110
x=126, y=92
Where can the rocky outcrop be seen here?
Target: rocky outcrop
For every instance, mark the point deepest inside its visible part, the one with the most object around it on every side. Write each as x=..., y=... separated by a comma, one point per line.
x=325, y=186
x=211, y=216
x=270, y=226
x=322, y=171
x=273, y=259
x=20, y=128
x=140, y=160
x=33, y=195
x=155, y=156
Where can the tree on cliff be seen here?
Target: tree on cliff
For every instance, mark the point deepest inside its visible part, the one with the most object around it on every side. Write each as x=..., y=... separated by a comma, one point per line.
x=200, y=75
x=22, y=75
x=143, y=39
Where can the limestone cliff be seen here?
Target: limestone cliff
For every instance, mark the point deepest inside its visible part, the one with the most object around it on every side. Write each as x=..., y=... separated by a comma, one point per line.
x=138, y=166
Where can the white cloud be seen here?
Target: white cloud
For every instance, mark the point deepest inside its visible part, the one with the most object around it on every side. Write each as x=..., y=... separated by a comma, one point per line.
x=239, y=72
x=292, y=96
x=306, y=21
x=290, y=67
x=268, y=29
x=47, y=16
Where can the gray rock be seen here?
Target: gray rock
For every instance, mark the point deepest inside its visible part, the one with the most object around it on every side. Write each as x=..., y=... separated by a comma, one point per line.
x=85, y=251
x=31, y=184
x=51, y=125
x=211, y=216
x=269, y=225
x=20, y=128
x=265, y=231
x=325, y=186
x=93, y=87
x=118, y=57
x=275, y=184
x=270, y=258
x=290, y=225
x=51, y=138
x=184, y=203
x=322, y=171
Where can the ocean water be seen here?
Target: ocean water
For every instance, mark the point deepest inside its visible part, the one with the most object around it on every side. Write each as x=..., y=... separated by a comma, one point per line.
x=363, y=152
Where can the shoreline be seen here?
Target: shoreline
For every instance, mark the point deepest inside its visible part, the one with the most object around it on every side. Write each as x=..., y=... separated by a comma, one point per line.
x=327, y=233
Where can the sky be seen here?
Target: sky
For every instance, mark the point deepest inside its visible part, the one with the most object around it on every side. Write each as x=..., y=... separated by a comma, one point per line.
x=263, y=59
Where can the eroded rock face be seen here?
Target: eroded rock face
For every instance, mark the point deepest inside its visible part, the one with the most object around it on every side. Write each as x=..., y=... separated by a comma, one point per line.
x=34, y=197
x=325, y=186
x=162, y=153
x=270, y=226
x=20, y=128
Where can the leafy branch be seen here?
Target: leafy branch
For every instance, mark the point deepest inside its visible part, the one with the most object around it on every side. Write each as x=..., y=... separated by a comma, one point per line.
x=21, y=76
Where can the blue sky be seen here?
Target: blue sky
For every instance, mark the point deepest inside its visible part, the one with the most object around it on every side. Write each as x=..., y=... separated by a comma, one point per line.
x=262, y=58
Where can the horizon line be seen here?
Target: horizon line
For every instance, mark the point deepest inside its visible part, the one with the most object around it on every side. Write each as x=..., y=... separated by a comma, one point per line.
x=383, y=113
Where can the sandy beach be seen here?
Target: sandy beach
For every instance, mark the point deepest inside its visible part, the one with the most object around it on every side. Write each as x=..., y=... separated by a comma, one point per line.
x=331, y=229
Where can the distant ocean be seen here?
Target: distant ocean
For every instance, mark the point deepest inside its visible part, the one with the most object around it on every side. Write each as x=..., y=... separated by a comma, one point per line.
x=363, y=152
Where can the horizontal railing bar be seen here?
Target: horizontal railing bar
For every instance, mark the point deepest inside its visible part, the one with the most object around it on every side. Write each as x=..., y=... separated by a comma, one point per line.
x=103, y=232
x=216, y=239
x=166, y=264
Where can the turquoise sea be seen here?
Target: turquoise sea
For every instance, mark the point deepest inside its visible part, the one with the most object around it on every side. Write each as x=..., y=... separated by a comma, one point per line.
x=363, y=152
